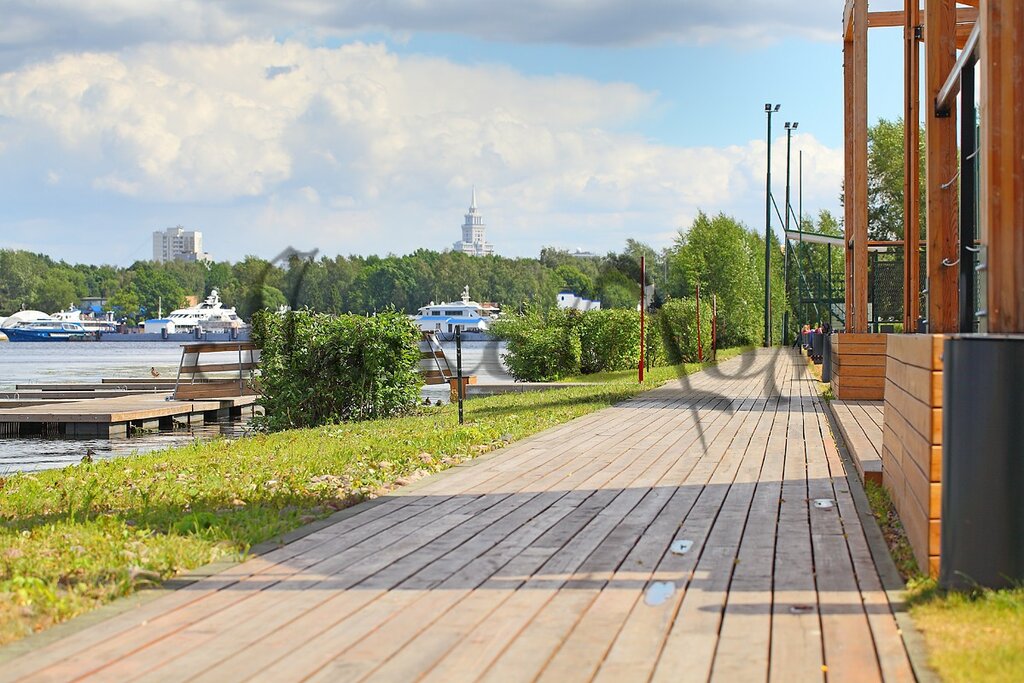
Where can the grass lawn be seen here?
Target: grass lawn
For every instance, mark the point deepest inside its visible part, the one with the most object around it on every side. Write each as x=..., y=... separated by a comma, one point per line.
x=73, y=539
x=976, y=636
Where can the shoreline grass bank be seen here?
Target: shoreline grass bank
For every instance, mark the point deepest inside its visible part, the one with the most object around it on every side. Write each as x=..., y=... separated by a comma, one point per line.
x=74, y=539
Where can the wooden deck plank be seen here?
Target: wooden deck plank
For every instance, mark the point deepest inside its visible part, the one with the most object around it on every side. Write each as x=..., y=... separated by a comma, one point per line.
x=532, y=563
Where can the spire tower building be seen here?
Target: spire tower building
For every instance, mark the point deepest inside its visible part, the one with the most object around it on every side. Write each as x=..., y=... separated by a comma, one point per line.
x=473, y=240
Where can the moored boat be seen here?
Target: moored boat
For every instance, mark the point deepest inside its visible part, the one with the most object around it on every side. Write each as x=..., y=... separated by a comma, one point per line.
x=47, y=330
x=466, y=315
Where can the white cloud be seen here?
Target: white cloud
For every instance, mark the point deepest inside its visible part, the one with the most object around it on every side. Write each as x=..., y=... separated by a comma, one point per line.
x=34, y=28
x=359, y=149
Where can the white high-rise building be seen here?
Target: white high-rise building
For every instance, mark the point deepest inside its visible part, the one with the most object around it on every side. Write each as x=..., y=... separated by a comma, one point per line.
x=473, y=241
x=178, y=244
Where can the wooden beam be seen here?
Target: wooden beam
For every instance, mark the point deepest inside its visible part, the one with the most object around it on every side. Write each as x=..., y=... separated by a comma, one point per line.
x=848, y=19
x=965, y=16
x=941, y=168
x=911, y=167
x=885, y=19
x=860, y=167
x=1002, y=148
x=963, y=35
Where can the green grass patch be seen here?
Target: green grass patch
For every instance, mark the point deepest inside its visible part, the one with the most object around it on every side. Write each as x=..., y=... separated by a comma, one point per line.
x=892, y=529
x=970, y=636
x=73, y=539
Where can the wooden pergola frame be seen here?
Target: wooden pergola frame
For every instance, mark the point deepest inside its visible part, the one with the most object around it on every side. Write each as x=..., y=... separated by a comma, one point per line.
x=995, y=29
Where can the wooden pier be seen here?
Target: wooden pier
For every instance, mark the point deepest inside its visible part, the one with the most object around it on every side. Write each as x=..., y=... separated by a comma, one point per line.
x=116, y=416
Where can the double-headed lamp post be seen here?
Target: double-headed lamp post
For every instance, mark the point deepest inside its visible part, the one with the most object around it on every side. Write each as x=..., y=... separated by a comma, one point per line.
x=769, y=109
x=790, y=127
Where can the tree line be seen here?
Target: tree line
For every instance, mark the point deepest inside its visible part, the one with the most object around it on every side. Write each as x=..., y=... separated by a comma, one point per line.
x=717, y=252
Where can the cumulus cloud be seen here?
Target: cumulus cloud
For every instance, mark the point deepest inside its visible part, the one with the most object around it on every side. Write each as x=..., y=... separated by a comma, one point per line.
x=347, y=144
x=39, y=28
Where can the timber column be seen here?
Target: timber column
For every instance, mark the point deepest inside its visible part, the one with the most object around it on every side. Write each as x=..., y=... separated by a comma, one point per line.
x=855, y=72
x=1002, y=158
x=942, y=165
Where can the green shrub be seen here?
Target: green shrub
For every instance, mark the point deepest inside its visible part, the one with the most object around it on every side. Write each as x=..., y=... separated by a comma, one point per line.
x=654, y=349
x=547, y=346
x=541, y=346
x=678, y=325
x=609, y=340
x=319, y=369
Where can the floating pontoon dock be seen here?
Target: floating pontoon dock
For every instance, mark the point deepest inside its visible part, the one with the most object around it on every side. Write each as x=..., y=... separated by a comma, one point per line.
x=117, y=416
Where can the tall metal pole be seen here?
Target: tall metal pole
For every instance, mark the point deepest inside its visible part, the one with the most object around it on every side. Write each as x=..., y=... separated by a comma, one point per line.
x=790, y=127
x=769, y=109
x=643, y=305
x=800, y=215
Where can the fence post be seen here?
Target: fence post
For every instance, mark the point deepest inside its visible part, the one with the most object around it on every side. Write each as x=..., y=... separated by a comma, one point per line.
x=700, y=348
x=714, y=327
x=643, y=305
x=458, y=368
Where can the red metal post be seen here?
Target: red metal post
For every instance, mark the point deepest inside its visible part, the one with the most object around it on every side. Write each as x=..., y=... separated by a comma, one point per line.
x=700, y=347
x=643, y=305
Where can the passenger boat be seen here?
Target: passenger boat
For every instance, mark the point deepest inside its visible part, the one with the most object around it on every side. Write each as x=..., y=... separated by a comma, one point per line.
x=466, y=315
x=93, y=325
x=47, y=329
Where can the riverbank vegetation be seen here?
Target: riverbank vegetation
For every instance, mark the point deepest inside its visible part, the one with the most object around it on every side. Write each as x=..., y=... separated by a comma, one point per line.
x=73, y=539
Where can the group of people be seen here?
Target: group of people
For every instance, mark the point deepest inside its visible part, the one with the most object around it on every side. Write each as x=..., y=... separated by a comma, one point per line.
x=805, y=339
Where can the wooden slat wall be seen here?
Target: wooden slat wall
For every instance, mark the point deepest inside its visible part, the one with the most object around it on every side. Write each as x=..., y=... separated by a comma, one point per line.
x=858, y=366
x=912, y=440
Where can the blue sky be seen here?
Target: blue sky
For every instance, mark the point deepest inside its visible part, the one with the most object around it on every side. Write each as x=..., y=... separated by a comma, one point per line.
x=360, y=128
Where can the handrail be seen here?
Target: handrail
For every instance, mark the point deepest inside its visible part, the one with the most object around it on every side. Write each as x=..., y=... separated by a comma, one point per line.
x=968, y=57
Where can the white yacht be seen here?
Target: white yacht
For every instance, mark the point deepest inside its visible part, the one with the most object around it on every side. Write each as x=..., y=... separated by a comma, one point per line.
x=210, y=314
x=92, y=325
x=467, y=315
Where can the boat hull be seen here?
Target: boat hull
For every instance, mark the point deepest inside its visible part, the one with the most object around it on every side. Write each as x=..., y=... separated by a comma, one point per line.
x=15, y=334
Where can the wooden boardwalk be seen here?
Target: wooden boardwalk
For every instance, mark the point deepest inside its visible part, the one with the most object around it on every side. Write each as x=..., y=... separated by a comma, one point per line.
x=553, y=560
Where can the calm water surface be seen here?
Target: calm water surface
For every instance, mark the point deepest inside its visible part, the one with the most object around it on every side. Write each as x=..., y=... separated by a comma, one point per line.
x=85, y=362
x=89, y=362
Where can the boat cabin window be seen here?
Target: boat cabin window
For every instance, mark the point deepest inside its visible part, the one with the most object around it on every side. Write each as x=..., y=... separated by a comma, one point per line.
x=453, y=312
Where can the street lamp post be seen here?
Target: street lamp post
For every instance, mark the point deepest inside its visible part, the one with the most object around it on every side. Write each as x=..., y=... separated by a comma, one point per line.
x=769, y=109
x=790, y=127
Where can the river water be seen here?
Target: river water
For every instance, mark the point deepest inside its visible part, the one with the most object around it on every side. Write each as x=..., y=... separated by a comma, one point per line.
x=89, y=362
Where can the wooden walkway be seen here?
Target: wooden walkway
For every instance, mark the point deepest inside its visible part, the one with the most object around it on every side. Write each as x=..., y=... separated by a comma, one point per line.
x=556, y=559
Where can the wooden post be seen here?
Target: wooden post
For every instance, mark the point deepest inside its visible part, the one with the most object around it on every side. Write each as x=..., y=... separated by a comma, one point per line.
x=860, y=166
x=855, y=78
x=849, y=186
x=942, y=164
x=911, y=167
x=1002, y=148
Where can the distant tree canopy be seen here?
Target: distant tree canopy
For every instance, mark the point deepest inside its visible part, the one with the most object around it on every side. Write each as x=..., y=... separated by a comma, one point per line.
x=355, y=284
x=727, y=259
x=721, y=254
x=886, y=175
